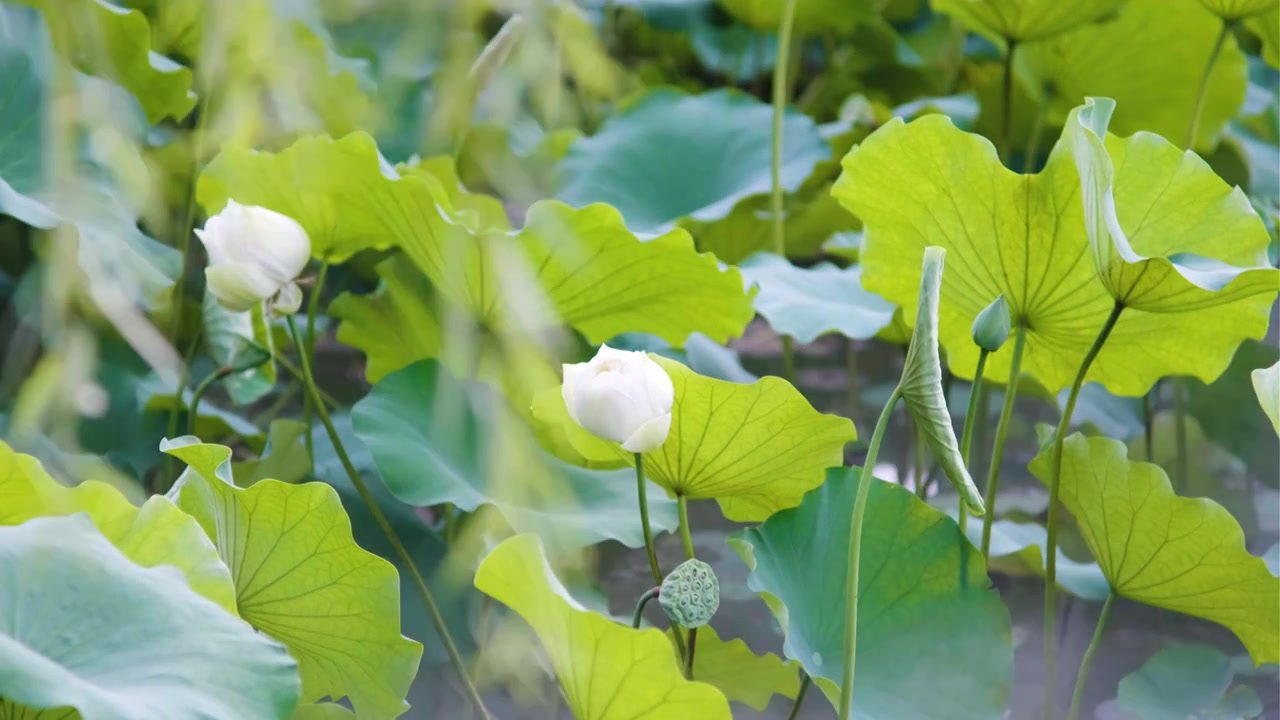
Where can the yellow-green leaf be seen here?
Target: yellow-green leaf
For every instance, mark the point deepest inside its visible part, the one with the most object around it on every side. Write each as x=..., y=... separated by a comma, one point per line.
x=1266, y=383
x=396, y=325
x=607, y=671
x=739, y=673
x=1237, y=9
x=300, y=578
x=755, y=448
x=1022, y=20
x=158, y=533
x=1182, y=554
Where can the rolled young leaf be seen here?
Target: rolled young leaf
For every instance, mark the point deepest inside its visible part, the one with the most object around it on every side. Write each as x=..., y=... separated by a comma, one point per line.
x=921, y=384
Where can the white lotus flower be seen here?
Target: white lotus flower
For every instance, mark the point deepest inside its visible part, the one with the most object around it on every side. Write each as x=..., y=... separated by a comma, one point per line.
x=621, y=396
x=254, y=256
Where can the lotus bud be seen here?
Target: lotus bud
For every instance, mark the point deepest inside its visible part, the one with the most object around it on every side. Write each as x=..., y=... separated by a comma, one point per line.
x=254, y=256
x=621, y=396
x=991, y=327
x=690, y=595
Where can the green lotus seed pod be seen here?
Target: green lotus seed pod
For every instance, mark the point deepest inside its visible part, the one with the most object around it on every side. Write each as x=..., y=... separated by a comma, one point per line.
x=991, y=327
x=690, y=595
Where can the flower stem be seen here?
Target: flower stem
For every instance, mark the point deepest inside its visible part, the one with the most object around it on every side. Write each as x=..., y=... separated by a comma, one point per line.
x=1087, y=661
x=1203, y=92
x=780, y=95
x=1051, y=549
x=313, y=305
x=682, y=503
x=1002, y=431
x=200, y=390
x=805, y=682
x=641, y=494
x=648, y=595
x=1180, y=434
x=688, y=657
x=1148, y=431
x=433, y=610
x=788, y=359
x=1006, y=109
x=966, y=435
x=855, y=555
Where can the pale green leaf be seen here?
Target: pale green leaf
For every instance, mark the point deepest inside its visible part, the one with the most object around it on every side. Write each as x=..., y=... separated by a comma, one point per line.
x=1190, y=682
x=607, y=671
x=739, y=673
x=805, y=303
x=284, y=458
x=301, y=579
x=1018, y=547
x=394, y=326
x=1267, y=27
x=1266, y=383
x=1182, y=554
x=240, y=340
x=1153, y=284
x=755, y=448
x=1022, y=20
x=1238, y=9
x=1024, y=236
x=83, y=627
x=156, y=534
x=920, y=583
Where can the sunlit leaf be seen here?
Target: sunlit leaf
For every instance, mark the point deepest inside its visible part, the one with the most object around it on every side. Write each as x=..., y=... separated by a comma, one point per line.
x=1018, y=547
x=1181, y=554
x=85, y=628
x=156, y=534
x=607, y=671
x=755, y=448
x=1267, y=27
x=1024, y=236
x=812, y=16
x=301, y=579
x=1266, y=383
x=1237, y=9
x=322, y=711
x=810, y=302
x=437, y=440
x=668, y=155
x=920, y=582
x=739, y=673
x=1187, y=681
x=1022, y=20
x=284, y=458
x=394, y=326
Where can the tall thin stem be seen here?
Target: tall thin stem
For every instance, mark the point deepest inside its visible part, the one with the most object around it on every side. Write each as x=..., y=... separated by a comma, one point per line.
x=313, y=306
x=1180, y=434
x=781, y=92
x=966, y=435
x=682, y=503
x=855, y=555
x=1051, y=549
x=1002, y=431
x=1148, y=430
x=1085, y=663
x=196, y=396
x=688, y=657
x=1006, y=109
x=433, y=610
x=648, y=595
x=805, y=682
x=642, y=495
x=1203, y=92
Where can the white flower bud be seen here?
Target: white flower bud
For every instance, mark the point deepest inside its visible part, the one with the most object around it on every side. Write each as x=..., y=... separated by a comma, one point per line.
x=254, y=254
x=621, y=396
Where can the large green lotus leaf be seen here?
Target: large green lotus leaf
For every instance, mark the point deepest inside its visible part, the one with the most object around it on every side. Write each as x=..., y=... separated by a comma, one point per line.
x=1154, y=284
x=748, y=228
x=1018, y=547
x=1183, y=554
x=158, y=533
x=1150, y=59
x=1266, y=383
x=119, y=261
x=739, y=673
x=805, y=303
x=437, y=440
x=301, y=579
x=395, y=325
x=1267, y=27
x=1187, y=681
x=1022, y=20
x=111, y=42
x=1024, y=236
x=580, y=266
x=755, y=448
x=607, y=671
x=920, y=580
x=812, y=16
x=667, y=155
x=1237, y=9
x=83, y=628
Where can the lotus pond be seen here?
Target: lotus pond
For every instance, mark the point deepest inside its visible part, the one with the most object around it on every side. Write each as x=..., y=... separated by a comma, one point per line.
x=639, y=359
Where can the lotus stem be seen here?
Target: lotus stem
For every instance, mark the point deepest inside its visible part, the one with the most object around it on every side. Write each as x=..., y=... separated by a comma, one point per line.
x=642, y=496
x=198, y=395
x=1006, y=109
x=805, y=682
x=1180, y=434
x=1082, y=677
x=1051, y=543
x=648, y=595
x=1148, y=431
x=1203, y=92
x=855, y=555
x=688, y=657
x=433, y=610
x=966, y=435
x=781, y=92
x=682, y=503
x=1002, y=431
x=313, y=306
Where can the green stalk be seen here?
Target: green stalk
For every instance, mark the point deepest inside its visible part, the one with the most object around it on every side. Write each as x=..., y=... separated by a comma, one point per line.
x=682, y=503
x=1006, y=111
x=855, y=555
x=433, y=610
x=1148, y=431
x=919, y=472
x=966, y=435
x=641, y=494
x=200, y=390
x=1051, y=551
x=1087, y=661
x=1002, y=431
x=648, y=595
x=688, y=657
x=780, y=94
x=1203, y=92
x=805, y=682
x=1180, y=434
x=313, y=306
